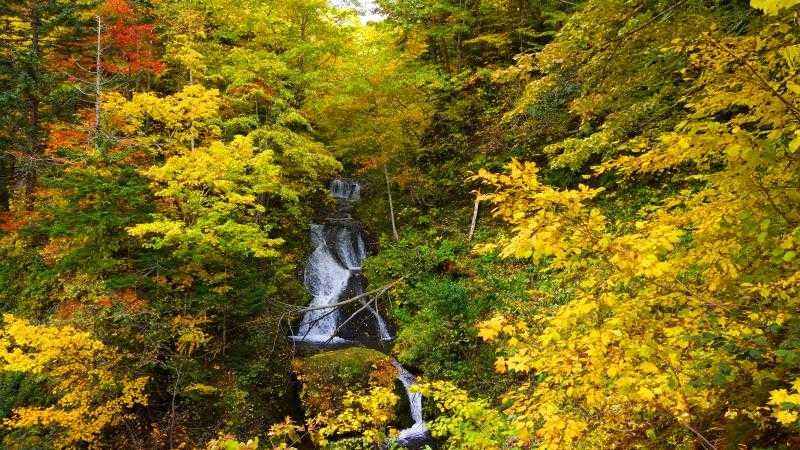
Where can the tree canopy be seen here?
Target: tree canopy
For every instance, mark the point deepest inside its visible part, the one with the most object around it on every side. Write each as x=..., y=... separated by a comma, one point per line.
x=584, y=215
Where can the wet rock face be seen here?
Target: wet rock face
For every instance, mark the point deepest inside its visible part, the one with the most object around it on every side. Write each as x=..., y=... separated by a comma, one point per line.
x=362, y=321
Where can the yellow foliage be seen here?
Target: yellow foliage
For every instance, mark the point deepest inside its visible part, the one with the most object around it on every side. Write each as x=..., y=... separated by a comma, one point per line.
x=228, y=442
x=81, y=371
x=283, y=436
x=467, y=423
x=786, y=406
x=367, y=414
x=773, y=6
x=190, y=114
x=190, y=335
x=285, y=431
x=213, y=193
x=663, y=308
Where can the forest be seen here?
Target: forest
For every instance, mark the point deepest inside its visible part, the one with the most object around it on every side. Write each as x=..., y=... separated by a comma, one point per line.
x=400, y=224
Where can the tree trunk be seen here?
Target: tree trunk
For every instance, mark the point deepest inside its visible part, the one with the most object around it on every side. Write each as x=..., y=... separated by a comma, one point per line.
x=391, y=204
x=34, y=132
x=6, y=181
x=474, y=216
x=98, y=81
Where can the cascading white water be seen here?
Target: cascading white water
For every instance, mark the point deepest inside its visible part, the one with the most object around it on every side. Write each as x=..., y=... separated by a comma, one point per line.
x=327, y=275
x=330, y=268
x=419, y=430
x=361, y=249
x=345, y=190
x=383, y=330
x=380, y=324
x=326, y=280
x=317, y=235
x=347, y=248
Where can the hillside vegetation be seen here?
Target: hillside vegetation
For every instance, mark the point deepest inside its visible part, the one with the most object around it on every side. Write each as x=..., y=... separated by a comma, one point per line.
x=631, y=169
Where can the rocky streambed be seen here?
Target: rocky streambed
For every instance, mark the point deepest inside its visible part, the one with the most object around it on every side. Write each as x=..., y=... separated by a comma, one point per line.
x=343, y=327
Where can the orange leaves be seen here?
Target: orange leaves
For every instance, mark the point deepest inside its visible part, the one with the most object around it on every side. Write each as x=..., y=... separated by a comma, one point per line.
x=180, y=283
x=116, y=8
x=130, y=300
x=130, y=44
x=54, y=250
x=62, y=136
x=133, y=43
x=373, y=163
x=12, y=221
x=66, y=310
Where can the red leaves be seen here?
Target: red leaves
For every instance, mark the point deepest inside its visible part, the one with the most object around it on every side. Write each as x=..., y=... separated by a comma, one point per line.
x=130, y=43
x=116, y=8
x=65, y=136
x=12, y=221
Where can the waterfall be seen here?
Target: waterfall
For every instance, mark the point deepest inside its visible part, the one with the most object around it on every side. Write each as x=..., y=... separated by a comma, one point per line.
x=418, y=432
x=380, y=324
x=317, y=235
x=347, y=247
x=333, y=269
x=326, y=280
x=339, y=251
x=345, y=190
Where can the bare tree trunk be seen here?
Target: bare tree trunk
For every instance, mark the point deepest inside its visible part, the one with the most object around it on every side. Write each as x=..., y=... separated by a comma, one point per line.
x=172, y=416
x=391, y=204
x=474, y=216
x=98, y=81
x=34, y=132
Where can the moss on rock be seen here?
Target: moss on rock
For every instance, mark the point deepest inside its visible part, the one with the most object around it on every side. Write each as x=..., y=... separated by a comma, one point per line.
x=327, y=377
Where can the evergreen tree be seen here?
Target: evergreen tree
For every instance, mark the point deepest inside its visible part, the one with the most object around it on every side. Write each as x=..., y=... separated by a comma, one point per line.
x=36, y=37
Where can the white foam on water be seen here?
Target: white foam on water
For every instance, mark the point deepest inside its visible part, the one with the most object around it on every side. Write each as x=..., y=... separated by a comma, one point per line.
x=346, y=190
x=326, y=280
x=317, y=234
x=347, y=248
x=419, y=431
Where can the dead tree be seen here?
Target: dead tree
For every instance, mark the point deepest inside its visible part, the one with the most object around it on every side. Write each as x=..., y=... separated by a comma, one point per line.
x=391, y=204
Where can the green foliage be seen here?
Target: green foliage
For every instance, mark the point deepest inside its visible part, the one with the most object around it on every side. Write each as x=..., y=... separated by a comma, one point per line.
x=171, y=233
x=172, y=230
x=466, y=423
x=18, y=389
x=33, y=91
x=447, y=291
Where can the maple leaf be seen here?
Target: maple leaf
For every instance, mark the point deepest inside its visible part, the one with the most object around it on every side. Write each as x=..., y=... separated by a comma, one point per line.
x=773, y=7
x=490, y=329
x=519, y=363
x=500, y=365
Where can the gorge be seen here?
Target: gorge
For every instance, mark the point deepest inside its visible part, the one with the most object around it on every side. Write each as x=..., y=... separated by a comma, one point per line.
x=333, y=271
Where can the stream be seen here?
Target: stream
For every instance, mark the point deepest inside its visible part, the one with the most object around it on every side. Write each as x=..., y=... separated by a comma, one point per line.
x=333, y=275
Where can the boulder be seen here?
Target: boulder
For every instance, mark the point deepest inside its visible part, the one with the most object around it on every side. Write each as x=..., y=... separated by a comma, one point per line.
x=327, y=377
